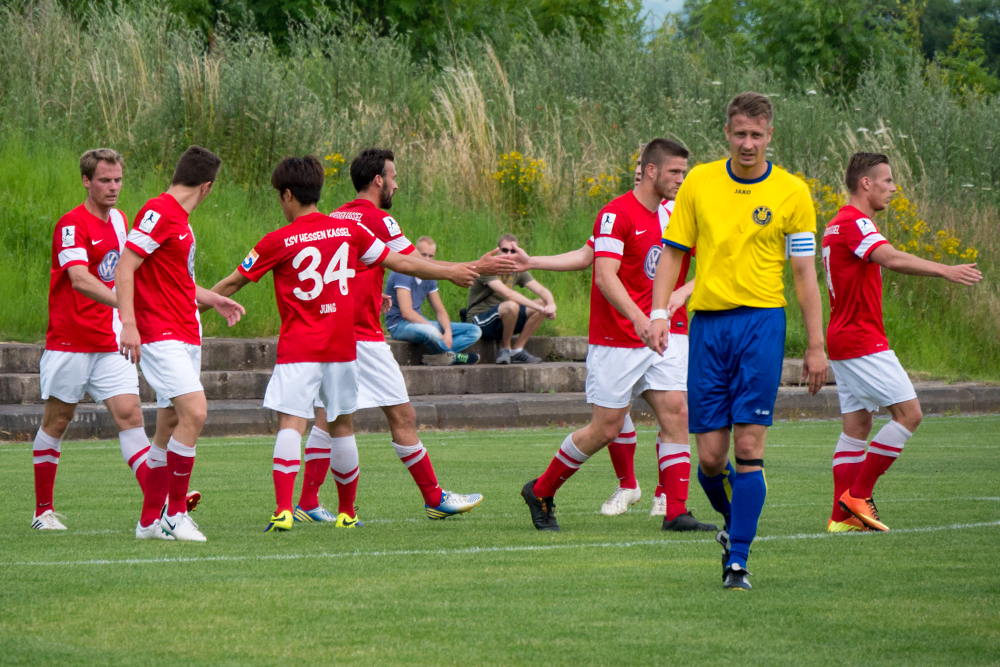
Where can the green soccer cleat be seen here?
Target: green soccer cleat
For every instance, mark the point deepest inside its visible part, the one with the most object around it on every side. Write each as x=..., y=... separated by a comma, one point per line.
x=280, y=521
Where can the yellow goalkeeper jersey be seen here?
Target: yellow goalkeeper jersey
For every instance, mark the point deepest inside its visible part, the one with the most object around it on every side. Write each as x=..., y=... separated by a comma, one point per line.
x=740, y=228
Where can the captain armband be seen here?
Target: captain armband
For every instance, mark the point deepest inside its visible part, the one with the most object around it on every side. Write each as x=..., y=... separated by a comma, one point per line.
x=800, y=244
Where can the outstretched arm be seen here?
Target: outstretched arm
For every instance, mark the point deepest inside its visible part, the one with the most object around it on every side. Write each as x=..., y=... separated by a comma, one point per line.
x=462, y=275
x=574, y=260
x=903, y=262
x=84, y=282
x=814, y=366
x=229, y=309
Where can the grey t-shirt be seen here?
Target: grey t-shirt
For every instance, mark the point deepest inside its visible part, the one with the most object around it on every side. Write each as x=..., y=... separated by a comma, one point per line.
x=419, y=289
x=483, y=298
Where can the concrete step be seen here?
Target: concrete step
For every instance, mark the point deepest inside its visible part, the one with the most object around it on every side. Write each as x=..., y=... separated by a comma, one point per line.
x=567, y=376
x=243, y=354
x=247, y=417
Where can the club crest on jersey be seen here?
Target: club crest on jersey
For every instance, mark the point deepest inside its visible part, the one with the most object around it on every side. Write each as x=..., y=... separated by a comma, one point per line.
x=762, y=216
x=250, y=260
x=392, y=226
x=106, y=269
x=149, y=221
x=607, y=223
x=652, y=259
x=866, y=226
x=68, y=236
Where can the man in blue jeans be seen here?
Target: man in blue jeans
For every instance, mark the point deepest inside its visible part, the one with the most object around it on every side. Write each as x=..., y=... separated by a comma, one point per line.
x=446, y=339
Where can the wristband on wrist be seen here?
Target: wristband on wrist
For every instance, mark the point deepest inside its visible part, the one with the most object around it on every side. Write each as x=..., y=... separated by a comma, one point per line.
x=658, y=314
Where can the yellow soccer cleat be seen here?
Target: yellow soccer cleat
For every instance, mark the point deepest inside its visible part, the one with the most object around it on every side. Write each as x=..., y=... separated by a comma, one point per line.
x=344, y=521
x=848, y=525
x=864, y=509
x=281, y=521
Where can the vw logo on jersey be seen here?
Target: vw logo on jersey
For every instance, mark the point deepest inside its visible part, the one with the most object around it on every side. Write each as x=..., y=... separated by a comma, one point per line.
x=106, y=269
x=191, y=259
x=652, y=259
x=762, y=215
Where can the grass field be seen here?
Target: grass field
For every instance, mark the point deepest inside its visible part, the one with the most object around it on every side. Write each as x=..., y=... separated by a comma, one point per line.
x=487, y=588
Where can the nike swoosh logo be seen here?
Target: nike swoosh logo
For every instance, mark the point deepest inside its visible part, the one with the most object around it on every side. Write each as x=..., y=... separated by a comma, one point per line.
x=95, y=242
x=684, y=480
x=181, y=474
x=182, y=237
x=642, y=232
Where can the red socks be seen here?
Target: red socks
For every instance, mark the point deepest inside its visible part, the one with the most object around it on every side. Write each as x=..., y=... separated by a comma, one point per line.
x=285, y=466
x=622, y=451
x=418, y=462
x=180, y=462
x=344, y=466
x=566, y=462
x=45, y=457
x=157, y=481
x=317, y=466
x=882, y=453
x=675, y=474
x=847, y=459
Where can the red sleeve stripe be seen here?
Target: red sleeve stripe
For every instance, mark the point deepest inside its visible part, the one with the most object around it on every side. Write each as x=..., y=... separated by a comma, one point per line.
x=142, y=242
x=375, y=254
x=606, y=244
x=399, y=244
x=868, y=244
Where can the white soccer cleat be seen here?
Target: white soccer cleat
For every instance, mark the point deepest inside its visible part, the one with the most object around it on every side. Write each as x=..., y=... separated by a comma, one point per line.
x=659, y=506
x=47, y=521
x=182, y=527
x=620, y=500
x=153, y=531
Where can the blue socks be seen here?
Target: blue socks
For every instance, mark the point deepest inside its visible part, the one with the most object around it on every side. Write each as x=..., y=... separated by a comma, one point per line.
x=719, y=490
x=749, y=491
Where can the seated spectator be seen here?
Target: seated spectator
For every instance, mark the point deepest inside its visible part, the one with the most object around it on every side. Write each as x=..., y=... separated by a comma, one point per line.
x=502, y=312
x=445, y=339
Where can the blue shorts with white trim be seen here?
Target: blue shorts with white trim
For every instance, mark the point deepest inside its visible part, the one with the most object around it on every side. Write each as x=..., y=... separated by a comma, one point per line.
x=734, y=367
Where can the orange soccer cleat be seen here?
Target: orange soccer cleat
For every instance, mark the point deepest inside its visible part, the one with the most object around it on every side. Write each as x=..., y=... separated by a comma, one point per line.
x=864, y=509
x=848, y=525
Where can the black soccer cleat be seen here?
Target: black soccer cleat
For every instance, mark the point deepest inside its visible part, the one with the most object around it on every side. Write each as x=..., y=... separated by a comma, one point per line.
x=736, y=578
x=683, y=523
x=542, y=514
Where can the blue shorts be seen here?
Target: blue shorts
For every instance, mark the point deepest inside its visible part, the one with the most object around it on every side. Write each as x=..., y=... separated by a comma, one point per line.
x=734, y=367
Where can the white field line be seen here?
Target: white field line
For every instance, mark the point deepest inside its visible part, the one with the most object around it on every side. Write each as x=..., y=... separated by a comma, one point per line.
x=475, y=550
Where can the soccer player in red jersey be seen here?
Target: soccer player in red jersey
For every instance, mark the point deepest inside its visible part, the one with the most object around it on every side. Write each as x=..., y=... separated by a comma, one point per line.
x=867, y=372
x=161, y=331
x=619, y=365
x=315, y=259
x=673, y=450
x=380, y=382
x=81, y=350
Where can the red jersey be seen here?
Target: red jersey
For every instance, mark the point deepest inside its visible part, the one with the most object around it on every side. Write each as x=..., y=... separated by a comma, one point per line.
x=855, y=286
x=679, y=320
x=627, y=231
x=368, y=282
x=78, y=323
x=314, y=260
x=165, y=307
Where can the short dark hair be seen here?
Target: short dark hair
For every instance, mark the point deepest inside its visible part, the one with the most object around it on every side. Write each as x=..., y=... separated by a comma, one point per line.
x=367, y=165
x=751, y=105
x=93, y=157
x=658, y=150
x=302, y=176
x=860, y=165
x=197, y=165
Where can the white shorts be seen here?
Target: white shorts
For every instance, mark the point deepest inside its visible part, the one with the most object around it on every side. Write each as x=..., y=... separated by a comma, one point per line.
x=380, y=382
x=870, y=382
x=618, y=375
x=171, y=368
x=293, y=389
x=69, y=375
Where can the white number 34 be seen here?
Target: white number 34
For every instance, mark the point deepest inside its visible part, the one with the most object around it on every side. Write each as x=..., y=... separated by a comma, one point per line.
x=335, y=270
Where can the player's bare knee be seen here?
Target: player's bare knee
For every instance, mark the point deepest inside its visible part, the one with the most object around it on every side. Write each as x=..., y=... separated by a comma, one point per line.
x=401, y=416
x=712, y=463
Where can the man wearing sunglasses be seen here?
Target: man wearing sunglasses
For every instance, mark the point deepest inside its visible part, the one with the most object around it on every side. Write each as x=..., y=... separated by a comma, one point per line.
x=502, y=312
